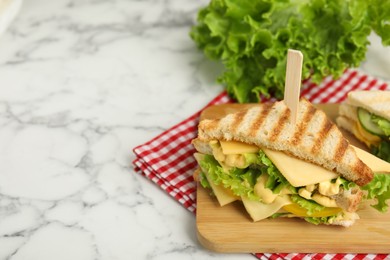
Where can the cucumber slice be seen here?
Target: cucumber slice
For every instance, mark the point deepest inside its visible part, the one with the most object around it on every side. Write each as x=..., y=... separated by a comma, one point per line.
x=365, y=120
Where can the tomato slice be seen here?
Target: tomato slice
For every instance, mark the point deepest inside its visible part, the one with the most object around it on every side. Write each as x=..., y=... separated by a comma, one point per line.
x=301, y=212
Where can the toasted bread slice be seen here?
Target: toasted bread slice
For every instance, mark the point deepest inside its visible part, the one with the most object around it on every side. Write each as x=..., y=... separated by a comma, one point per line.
x=375, y=101
x=349, y=112
x=349, y=200
x=346, y=123
x=313, y=138
x=202, y=146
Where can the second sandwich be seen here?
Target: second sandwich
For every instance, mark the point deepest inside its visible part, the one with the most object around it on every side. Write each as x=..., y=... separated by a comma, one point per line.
x=366, y=114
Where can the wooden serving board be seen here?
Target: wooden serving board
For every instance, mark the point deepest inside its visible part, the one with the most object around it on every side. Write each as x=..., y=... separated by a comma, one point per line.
x=230, y=228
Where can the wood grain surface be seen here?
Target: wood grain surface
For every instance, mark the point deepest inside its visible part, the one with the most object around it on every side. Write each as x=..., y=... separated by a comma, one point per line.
x=230, y=229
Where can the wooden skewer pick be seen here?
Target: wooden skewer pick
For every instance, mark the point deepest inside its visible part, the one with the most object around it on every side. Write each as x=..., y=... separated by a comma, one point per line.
x=293, y=82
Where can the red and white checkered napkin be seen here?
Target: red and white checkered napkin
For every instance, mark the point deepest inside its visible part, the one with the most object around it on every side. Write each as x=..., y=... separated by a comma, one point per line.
x=167, y=159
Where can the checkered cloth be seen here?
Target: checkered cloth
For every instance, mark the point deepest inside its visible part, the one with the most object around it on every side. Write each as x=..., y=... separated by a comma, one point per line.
x=167, y=159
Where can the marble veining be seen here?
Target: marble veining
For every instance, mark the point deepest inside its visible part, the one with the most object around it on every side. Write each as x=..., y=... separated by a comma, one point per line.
x=82, y=83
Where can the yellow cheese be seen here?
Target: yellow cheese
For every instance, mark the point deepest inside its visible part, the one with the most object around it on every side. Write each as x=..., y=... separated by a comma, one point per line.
x=259, y=211
x=224, y=196
x=376, y=164
x=374, y=139
x=301, y=212
x=365, y=136
x=233, y=147
x=298, y=172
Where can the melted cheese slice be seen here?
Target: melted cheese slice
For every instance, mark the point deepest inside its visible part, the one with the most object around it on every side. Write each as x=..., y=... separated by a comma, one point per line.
x=298, y=172
x=224, y=196
x=376, y=164
x=365, y=136
x=259, y=211
x=233, y=147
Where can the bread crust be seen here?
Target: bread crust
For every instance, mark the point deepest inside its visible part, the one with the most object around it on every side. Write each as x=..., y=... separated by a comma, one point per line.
x=349, y=200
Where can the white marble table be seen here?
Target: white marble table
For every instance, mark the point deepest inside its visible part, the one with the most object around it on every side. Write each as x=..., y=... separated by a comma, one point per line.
x=82, y=83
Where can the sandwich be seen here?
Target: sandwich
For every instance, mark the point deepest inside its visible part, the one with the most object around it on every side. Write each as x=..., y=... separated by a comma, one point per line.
x=306, y=170
x=366, y=114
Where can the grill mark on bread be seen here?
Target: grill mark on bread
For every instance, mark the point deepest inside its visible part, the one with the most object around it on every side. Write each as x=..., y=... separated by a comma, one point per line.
x=322, y=134
x=301, y=129
x=212, y=124
x=283, y=119
x=237, y=120
x=258, y=122
x=341, y=148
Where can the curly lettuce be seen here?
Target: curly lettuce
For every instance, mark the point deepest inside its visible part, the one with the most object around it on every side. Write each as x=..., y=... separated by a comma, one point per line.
x=276, y=181
x=203, y=181
x=379, y=190
x=382, y=123
x=321, y=220
x=346, y=184
x=382, y=151
x=309, y=205
x=242, y=181
x=251, y=39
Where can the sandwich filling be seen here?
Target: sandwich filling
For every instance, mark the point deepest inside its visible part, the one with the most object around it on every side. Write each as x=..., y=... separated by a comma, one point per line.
x=371, y=129
x=274, y=184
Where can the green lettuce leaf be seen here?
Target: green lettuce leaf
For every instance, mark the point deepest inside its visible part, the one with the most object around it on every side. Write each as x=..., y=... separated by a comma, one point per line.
x=382, y=123
x=278, y=215
x=240, y=181
x=276, y=181
x=379, y=189
x=346, y=184
x=203, y=181
x=379, y=13
x=310, y=206
x=320, y=220
x=382, y=151
x=251, y=39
